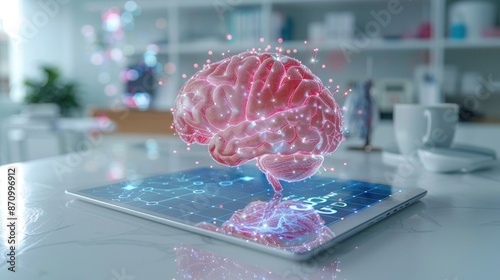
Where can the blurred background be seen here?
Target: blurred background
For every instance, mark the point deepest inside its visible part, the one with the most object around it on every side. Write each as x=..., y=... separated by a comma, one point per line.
x=72, y=68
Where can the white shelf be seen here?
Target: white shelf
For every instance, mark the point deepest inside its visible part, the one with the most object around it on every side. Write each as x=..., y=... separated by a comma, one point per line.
x=472, y=44
x=199, y=48
x=154, y=4
x=301, y=2
x=375, y=45
x=151, y=5
x=181, y=14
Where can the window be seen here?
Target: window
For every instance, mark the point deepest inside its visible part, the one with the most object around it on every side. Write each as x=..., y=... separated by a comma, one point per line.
x=9, y=21
x=4, y=59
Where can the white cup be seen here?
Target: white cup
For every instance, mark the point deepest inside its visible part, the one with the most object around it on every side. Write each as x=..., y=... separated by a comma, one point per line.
x=418, y=126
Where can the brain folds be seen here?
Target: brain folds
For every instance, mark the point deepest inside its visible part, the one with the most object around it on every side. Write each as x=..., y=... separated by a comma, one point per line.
x=260, y=106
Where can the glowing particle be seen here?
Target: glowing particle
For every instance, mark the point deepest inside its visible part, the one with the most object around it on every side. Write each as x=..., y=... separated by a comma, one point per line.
x=195, y=65
x=229, y=37
x=280, y=40
x=210, y=52
x=174, y=151
x=261, y=40
x=330, y=80
x=184, y=76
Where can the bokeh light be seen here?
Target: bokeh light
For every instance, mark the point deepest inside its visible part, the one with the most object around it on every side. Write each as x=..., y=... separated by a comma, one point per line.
x=88, y=31
x=131, y=6
x=97, y=59
x=110, y=90
x=170, y=68
x=117, y=54
x=112, y=20
x=127, y=17
x=161, y=23
x=131, y=75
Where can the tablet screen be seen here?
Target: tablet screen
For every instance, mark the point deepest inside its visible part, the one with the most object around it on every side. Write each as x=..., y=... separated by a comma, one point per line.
x=240, y=202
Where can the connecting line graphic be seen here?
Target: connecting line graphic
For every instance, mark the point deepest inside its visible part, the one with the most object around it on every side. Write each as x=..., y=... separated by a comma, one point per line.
x=230, y=183
x=183, y=179
x=129, y=190
x=238, y=202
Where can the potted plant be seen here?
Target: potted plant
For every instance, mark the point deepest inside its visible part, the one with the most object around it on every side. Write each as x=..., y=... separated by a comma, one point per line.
x=52, y=90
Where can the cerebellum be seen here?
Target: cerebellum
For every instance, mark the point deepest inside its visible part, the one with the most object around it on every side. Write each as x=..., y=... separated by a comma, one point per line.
x=264, y=107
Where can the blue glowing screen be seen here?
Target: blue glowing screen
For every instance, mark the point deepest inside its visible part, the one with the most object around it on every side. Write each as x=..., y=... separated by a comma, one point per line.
x=241, y=202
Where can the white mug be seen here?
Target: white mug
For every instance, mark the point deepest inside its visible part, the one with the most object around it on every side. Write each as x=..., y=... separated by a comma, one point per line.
x=419, y=126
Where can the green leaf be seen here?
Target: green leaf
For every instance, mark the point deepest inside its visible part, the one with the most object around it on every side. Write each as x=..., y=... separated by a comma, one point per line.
x=65, y=95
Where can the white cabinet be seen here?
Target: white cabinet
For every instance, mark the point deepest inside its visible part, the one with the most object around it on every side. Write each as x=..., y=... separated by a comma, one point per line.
x=186, y=30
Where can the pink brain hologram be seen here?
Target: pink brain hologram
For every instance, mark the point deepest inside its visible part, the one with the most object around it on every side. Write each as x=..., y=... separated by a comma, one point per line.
x=289, y=225
x=260, y=106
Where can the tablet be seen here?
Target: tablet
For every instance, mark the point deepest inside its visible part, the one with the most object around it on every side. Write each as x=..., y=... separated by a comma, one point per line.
x=238, y=205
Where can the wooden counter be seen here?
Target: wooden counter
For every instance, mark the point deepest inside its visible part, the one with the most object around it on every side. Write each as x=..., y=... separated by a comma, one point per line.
x=136, y=121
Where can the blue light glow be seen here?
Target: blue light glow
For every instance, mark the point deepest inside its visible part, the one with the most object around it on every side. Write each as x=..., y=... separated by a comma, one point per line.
x=129, y=187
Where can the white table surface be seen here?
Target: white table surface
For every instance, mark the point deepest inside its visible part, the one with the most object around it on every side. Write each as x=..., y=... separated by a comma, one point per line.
x=60, y=124
x=453, y=233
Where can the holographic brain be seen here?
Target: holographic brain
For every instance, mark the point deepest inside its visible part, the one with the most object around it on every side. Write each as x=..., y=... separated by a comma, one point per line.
x=289, y=225
x=260, y=106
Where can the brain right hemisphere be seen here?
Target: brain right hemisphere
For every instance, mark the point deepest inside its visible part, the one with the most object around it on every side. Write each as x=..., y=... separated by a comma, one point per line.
x=264, y=107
